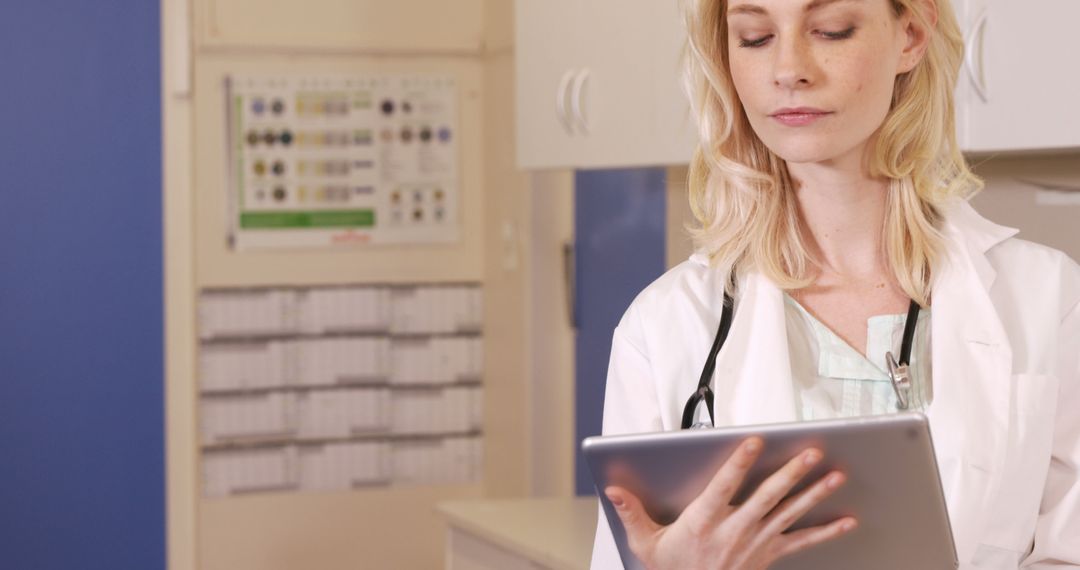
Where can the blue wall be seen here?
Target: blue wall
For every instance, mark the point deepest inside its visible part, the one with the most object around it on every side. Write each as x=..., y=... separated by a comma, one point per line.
x=81, y=411
x=619, y=244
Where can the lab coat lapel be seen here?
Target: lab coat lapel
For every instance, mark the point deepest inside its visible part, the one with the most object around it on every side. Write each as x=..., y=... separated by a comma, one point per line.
x=971, y=367
x=753, y=370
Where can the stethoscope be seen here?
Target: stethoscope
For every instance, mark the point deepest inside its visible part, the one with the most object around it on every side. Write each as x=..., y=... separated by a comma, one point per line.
x=899, y=373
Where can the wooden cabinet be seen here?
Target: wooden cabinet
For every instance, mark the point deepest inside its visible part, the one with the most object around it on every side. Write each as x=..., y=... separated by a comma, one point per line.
x=1019, y=87
x=598, y=84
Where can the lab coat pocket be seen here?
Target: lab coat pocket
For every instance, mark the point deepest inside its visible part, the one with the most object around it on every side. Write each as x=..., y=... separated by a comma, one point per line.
x=1010, y=524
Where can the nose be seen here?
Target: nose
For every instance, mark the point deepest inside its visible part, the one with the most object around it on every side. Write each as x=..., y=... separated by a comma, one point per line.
x=793, y=65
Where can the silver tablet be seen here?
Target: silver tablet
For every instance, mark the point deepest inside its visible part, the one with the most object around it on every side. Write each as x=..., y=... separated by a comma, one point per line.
x=892, y=485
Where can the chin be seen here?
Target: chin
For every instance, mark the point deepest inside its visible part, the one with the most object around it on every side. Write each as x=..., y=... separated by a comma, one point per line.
x=802, y=153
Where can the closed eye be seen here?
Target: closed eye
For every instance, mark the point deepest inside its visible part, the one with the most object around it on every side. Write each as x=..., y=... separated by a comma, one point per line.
x=841, y=35
x=754, y=43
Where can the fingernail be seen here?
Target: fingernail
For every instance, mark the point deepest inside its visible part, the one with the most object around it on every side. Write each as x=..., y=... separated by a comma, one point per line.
x=615, y=500
x=751, y=446
x=834, y=480
x=849, y=525
x=811, y=457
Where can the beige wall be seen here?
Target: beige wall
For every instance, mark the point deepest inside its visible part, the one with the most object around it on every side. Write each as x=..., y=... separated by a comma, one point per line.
x=1009, y=201
x=551, y=336
x=376, y=528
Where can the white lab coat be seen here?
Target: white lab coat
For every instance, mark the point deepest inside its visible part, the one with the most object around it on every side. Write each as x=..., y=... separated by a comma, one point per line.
x=1005, y=419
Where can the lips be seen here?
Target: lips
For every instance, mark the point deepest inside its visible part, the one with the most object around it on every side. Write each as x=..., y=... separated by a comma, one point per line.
x=798, y=116
x=799, y=111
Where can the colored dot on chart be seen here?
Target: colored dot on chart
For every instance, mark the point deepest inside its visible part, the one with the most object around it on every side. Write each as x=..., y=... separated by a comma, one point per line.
x=444, y=134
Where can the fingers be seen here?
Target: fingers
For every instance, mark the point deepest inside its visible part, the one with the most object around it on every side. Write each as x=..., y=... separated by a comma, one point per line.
x=640, y=528
x=714, y=502
x=793, y=542
x=793, y=508
x=773, y=489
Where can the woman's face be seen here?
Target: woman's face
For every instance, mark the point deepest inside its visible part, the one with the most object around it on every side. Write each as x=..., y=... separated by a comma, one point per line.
x=816, y=77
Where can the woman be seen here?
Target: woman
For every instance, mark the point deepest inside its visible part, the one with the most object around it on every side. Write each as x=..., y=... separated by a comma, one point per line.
x=830, y=193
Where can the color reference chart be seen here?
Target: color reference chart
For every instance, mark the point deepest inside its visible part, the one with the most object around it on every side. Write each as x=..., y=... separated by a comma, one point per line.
x=342, y=160
x=336, y=388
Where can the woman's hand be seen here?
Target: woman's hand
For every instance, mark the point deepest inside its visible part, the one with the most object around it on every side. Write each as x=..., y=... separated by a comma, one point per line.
x=711, y=533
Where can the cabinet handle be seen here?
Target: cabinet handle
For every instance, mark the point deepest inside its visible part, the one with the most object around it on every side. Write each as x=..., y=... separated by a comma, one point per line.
x=576, y=103
x=560, y=100
x=974, y=56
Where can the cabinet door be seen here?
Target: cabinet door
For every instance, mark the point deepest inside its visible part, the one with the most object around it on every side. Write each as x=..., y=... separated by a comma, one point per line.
x=618, y=103
x=634, y=97
x=674, y=124
x=547, y=54
x=1019, y=84
x=613, y=64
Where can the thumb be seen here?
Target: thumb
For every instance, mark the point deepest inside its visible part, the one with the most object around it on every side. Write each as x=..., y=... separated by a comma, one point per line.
x=640, y=527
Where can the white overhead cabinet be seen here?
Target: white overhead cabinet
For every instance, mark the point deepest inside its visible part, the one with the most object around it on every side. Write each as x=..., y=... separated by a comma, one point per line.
x=1019, y=89
x=598, y=84
x=598, y=81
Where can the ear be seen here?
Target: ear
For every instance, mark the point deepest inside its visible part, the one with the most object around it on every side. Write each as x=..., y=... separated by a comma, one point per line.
x=917, y=33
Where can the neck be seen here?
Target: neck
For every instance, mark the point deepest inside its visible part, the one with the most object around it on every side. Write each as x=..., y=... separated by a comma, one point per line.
x=844, y=213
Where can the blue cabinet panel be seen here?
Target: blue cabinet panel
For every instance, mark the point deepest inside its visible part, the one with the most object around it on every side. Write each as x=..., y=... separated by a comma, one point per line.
x=619, y=235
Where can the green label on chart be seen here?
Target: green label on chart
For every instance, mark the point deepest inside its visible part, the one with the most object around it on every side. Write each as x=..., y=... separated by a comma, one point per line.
x=322, y=219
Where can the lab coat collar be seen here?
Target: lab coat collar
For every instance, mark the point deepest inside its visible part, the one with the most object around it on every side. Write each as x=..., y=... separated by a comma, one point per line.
x=963, y=223
x=971, y=363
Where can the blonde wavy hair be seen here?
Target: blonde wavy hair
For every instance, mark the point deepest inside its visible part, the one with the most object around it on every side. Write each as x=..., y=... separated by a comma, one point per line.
x=741, y=192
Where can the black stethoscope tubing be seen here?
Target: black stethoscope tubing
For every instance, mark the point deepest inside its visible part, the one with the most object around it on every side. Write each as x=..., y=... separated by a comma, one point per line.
x=898, y=371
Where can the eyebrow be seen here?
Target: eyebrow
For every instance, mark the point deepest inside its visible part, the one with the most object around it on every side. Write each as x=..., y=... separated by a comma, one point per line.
x=755, y=9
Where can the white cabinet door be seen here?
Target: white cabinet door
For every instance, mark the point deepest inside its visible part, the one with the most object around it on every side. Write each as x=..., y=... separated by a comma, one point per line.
x=547, y=62
x=635, y=99
x=618, y=102
x=1020, y=85
x=598, y=84
x=674, y=125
